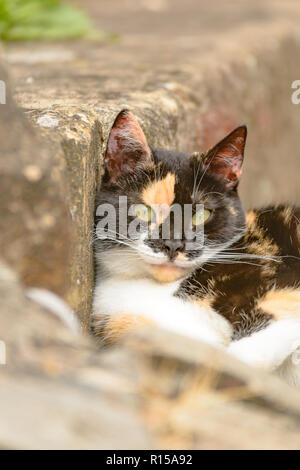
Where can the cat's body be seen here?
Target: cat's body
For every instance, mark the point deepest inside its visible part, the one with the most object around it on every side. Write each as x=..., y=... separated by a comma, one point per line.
x=264, y=283
x=240, y=290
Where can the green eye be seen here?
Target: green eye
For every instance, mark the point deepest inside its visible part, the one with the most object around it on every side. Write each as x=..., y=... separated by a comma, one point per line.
x=200, y=217
x=143, y=212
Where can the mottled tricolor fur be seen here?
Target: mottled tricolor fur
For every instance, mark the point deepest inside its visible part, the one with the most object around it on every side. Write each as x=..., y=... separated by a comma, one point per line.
x=263, y=287
x=240, y=290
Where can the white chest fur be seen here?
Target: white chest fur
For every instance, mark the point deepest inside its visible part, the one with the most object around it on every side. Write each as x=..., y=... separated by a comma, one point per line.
x=275, y=349
x=156, y=302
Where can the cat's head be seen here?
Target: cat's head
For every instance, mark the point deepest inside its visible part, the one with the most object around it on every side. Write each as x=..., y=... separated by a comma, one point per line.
x=143, y=186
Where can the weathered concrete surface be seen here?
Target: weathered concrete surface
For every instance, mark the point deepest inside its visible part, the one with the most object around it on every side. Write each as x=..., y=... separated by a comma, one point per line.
x=177, y=110
x=34, y=232
x=187, y=91
x=155, y=391
x=46, y=400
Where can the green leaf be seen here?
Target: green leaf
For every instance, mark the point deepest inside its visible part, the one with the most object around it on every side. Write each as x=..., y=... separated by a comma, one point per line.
x=23, y=20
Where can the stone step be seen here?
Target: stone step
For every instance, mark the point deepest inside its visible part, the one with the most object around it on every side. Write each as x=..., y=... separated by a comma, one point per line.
x=73, y=92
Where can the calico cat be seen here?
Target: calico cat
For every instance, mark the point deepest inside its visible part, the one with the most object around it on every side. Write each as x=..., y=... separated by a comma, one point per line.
x=239, y=288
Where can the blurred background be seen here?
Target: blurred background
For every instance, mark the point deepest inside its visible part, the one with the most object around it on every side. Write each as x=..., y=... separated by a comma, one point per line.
x=224, y=53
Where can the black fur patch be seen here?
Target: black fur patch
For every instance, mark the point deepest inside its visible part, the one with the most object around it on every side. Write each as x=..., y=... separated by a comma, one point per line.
x=235, y=289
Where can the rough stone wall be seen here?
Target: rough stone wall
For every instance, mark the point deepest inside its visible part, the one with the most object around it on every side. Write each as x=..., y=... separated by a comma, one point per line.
x=155, y=391
x=34, y=232
x=253, y=88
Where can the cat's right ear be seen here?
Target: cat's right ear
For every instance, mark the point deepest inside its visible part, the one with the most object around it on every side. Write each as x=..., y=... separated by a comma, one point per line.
x=225, y=159
x=127, y=147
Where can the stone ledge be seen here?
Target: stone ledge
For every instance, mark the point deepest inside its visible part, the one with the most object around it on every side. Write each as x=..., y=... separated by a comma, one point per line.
x=58, y=392
x=34, y=235
x=253, y=88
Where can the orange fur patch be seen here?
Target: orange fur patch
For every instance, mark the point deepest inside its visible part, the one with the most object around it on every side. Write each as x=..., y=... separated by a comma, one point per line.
x=287, y=215
x=282, y=304
x=120, y=324
x=181, y=257
x=250, y=218
x=205, y=302
x=165, y=273
x=160, y=192
x=264, y=245
x=232, y=210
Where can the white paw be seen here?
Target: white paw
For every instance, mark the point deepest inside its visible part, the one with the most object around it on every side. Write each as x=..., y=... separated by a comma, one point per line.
x=245, y=352
x=269, y=348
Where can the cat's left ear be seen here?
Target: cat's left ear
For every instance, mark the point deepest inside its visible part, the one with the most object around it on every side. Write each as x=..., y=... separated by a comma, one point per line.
x=127, y=147
x=226, y=158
